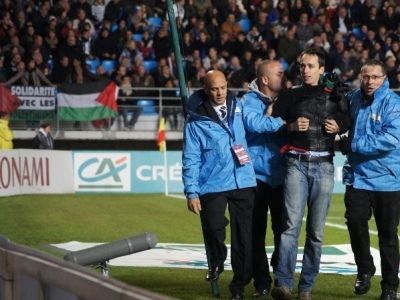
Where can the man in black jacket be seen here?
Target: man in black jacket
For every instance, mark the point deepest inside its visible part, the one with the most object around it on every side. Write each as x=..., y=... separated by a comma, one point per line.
x=315, y=113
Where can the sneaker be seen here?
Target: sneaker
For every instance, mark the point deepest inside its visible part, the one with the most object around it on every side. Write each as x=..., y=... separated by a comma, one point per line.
x=261, y=293
x=304, y=295
x=281, y=293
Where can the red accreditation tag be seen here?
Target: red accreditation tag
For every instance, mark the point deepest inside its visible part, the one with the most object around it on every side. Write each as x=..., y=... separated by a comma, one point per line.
x=241, y=154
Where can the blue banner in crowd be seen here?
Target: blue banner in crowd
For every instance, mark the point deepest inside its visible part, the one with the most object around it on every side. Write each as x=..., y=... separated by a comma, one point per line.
x=142, y=172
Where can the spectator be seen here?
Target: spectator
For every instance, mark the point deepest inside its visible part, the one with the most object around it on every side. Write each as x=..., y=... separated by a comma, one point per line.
x=61, y=70
x=6, y=135
x=203, y=7
x=87, y=44
x=235, y=74
x=289, y=47
x=356, y=11
x=341, y=22
x=131, y=52
x=299, y=7
x=98, y=10
x=51, y=43
x=390, y=19
x=240, y=45
x=44, y=137
x=14, y=42
x=224, y=45
x=347, y=65
x=40, y=19
x=254, y=38
x=304, y=30
x=115, y=11
x=213, y=29
x=12, y=65
x=140, y=21
x=143, y=79
x=162, y=42
x=105, y=46
x=127, y=105
x=334, y=55
x=79, y=22
x=197, y=81
x=81, y=4
x=5, y=24
x=213, y=55
x=231, y=27
x=374, y=21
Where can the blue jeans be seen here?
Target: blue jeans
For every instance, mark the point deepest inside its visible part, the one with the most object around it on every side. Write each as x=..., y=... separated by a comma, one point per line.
x=308, y=183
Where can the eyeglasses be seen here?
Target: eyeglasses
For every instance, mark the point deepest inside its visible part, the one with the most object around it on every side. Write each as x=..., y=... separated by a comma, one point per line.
x=373, y=77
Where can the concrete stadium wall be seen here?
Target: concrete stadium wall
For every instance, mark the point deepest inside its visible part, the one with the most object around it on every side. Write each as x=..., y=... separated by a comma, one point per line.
x=26, y=273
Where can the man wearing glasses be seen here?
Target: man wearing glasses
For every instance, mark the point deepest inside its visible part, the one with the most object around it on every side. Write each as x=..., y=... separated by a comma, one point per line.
x=372, y=176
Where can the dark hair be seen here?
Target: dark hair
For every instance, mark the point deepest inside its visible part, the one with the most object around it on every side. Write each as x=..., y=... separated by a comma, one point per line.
x=318, y=52
x=374, y=62
x=44, y=125
x=3, y=114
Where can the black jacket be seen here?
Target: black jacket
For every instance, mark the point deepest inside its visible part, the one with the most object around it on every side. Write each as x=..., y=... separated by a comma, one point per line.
x=317, y=105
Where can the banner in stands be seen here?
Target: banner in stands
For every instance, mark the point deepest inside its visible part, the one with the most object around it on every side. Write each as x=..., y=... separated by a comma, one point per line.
x=142, y=172
x=87, y=102
x=29, y=102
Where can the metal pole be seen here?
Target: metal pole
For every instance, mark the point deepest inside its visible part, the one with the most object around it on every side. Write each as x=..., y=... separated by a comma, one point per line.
x=178, y=56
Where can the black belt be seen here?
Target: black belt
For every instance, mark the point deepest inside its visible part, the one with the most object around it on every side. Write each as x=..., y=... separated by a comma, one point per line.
x=309, y=158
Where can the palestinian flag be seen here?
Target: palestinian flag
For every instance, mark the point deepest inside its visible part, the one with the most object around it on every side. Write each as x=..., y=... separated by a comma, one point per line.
x=88, y=101
x=8, y=101
x=28, y=102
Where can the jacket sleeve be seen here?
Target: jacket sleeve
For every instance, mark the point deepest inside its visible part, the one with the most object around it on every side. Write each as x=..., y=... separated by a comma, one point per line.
x=385, y=136
x=255, y=119
x=6, y=134
x=343, y=118
x=191, y=163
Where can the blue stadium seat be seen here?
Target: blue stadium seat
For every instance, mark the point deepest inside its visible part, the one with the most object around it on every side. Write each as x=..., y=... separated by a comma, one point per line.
x=357, y=32
x=149, y=64
x=246, y=24
x=50, y=62
x=156, y=22
x=108, y=65
x=284, y=64
x=148, y=107
x=137, y=36
x=114, y=27
x=93, y=64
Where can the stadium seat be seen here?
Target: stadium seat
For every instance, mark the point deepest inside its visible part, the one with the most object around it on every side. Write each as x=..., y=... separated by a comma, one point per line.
x=284, y=64
x=156, y=22
x=149, y=64
x=108, y=65
x=114, y=27
x=50, y=62
x=246, y=24
x=357, y=32
x=92, y=63
x=137, y=37
x=148, y=107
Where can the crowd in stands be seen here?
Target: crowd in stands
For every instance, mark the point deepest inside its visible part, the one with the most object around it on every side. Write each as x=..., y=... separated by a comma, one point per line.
x=56, y=39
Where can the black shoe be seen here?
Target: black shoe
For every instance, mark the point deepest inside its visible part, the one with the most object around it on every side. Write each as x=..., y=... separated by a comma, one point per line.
x=261, y=293
x=238, y=296
x=363, y=283
x=388, y=295
x=213, y=274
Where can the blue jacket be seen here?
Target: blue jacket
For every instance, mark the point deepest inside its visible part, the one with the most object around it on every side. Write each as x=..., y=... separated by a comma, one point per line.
x=374, y=162
x=209, y=164
x=269, y=163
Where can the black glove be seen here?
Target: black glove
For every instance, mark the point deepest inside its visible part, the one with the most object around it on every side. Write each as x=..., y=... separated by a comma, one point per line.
x=345, y=145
